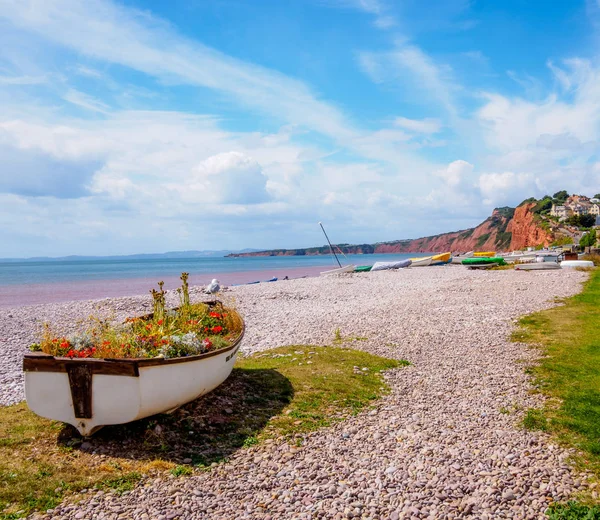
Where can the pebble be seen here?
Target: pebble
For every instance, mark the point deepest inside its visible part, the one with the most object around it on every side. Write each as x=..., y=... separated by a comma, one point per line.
x=436, y=446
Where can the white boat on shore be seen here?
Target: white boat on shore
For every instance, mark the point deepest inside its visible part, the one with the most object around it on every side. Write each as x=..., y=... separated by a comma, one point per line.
x=91, y=393
x=339, y=270
x=537, y=266
x=457, y=259
x=423, y=261
x=577, y=263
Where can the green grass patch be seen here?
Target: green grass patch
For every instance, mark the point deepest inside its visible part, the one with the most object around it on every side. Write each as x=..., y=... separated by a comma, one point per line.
x=573, y=511
x=280, y=393
x=569, y=372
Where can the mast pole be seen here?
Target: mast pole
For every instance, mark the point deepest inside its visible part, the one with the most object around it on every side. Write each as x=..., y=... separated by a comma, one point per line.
x=330, y=246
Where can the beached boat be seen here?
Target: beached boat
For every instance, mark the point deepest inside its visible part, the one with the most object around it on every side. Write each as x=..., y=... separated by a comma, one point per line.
x=340, y=270
x=382, y=266
x=577, y=263
x=537, y=266
x=482, y=266
x=483, y=260
x=423, y=261
x=484, y=254
x=444, y=258
x=457, y=259
x=91, y=393
x=363, y=269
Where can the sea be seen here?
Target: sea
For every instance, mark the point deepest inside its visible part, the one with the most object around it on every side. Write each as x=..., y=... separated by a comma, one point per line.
x=45, y=281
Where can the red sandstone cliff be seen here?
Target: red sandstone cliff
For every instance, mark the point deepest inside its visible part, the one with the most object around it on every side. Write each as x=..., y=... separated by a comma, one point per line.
x=506, y=229
x=527, y=229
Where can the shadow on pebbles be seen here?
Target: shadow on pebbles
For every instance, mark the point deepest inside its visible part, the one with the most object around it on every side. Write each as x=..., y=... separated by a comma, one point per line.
x=445, y=443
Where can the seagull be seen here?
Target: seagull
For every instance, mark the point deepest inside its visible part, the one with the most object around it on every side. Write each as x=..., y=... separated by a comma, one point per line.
x=213, y=287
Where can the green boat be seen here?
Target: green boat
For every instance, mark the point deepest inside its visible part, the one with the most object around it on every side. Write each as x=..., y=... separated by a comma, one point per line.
x=363, y=269
x=498, y=260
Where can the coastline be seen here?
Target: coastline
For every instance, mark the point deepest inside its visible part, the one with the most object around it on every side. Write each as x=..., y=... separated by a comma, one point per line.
x=443, y=419
x=78, y=290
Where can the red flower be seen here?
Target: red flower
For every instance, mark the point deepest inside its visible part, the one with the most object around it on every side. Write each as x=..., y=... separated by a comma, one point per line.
x=215, y=315
x=71, y=353
x=217, y=330
x=160, y=322
x=207, y=343
x=64, y=344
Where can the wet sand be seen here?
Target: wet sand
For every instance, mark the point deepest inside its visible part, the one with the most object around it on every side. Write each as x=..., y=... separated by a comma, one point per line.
x=33, y=294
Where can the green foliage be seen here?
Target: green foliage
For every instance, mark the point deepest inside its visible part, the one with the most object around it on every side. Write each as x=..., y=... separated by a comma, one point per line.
x=503, y=239
x=573, y=511
x=560, y=197
x=178, y=471
x=467, y=233
x=585, y=221
x=185, y=331
x=482, y=239
x=506, y=212
x=535, y=420
x=544, y=205
x=527, y=201
x=588, y=239
x=562, y=240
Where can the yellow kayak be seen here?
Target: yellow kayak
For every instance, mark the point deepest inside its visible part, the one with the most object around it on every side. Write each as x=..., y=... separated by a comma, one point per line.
x=487, y=254
x=444, y=258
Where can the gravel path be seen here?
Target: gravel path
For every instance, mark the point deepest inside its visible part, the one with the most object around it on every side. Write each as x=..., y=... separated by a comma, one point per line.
x=439, y=446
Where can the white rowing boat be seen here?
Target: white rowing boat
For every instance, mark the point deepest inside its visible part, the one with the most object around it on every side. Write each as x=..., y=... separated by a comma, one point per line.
x=423, y=261
x=91, y=393
x=340, y=270
x=537, y=266
x=577, y=263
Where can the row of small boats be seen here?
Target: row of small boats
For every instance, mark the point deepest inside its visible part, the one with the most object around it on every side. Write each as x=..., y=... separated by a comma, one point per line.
x=525, y=261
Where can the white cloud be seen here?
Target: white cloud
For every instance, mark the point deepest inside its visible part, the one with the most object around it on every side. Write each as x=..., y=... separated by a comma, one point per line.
x=22, y=80
x=85, y=101
x=499, y=188
x=422, y=126
x=409, y=66
x=226, y=178
x=106, y=31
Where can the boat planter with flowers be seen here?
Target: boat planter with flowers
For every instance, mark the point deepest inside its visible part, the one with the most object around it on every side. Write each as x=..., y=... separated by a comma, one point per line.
x=149, y=365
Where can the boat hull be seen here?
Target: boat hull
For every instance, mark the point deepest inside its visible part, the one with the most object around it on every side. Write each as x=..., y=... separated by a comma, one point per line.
x=483, y=260
x=537, y=266
x=577, y=263
x=340, y=270
x=444, y=258
x=421, y=262
x=484, y=254
x=384, y=266
x=91, y=393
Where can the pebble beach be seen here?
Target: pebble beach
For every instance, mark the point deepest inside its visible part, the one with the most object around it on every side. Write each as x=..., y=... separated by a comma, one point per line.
x=440, y=445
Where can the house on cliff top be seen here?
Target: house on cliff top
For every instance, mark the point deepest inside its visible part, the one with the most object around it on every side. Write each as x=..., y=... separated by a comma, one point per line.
x=575, y=205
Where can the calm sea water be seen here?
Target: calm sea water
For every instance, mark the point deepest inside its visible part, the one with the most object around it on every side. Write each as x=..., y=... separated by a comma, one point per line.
x=43, y=272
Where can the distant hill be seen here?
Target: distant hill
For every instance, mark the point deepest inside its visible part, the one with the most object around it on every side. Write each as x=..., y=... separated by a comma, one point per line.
x=506, y=229
x=141, y=256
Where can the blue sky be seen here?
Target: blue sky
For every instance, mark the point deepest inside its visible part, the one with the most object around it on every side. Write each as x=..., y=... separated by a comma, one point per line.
x=146, y=126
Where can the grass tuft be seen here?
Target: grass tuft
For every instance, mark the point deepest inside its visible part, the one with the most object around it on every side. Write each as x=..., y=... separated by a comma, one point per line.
x=569, y=374
x=281, y=393
x=573, y=511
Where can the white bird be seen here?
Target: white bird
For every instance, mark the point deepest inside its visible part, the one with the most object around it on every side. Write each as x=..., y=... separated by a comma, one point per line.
x=213, y=287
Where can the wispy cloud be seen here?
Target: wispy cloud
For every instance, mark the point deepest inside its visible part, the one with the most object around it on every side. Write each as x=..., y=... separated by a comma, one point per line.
x=22, y=80
x=383, y=18
x=86, y=101
x=134, y=39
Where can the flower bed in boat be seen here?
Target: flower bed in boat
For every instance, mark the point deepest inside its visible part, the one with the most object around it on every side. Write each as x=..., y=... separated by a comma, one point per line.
x=188, y=330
